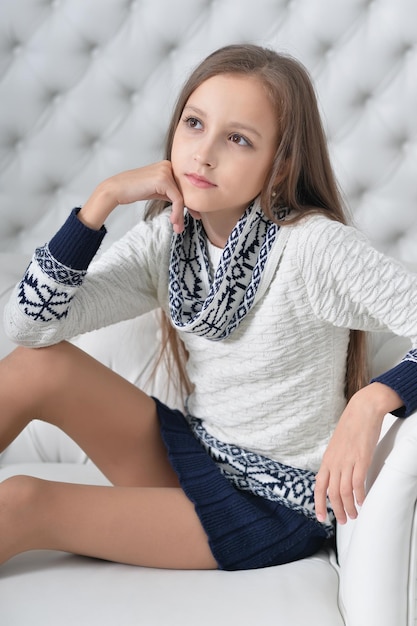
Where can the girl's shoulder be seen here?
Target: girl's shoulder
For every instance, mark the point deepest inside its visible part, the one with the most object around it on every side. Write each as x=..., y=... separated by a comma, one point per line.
x=317, y=228
x=317, y=238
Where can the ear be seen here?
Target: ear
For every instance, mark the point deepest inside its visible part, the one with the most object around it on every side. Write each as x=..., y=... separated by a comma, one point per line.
x=283, y=172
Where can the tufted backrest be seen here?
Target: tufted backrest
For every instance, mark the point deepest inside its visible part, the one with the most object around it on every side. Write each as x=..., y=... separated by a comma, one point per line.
x=87, y=87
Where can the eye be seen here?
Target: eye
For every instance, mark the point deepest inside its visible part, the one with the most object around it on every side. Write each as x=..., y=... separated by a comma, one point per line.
x=239, y=140
x=193, y=122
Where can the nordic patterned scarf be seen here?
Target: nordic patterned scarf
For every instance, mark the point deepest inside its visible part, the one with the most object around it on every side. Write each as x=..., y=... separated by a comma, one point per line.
x=213, y=306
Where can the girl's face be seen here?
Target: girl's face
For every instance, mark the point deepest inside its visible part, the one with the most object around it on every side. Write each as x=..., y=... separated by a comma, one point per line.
x=223, y=146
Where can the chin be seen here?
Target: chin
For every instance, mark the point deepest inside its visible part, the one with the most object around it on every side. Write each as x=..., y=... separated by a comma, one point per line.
x=195, y=214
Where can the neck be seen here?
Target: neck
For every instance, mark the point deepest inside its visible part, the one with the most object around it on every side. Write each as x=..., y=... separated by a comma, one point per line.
x=219, y=226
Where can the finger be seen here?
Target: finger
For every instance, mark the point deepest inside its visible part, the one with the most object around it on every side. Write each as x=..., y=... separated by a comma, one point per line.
x=177, y=207
x=177, y=214
x=347, y=495
x=337, y=505
x=358, y=483
x=320, y=494
x=335, y=496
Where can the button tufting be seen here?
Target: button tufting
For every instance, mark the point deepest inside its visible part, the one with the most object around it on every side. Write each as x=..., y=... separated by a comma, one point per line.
x=90, y=48
x=93, y=49
x=52, y=188
x=12, y=141
x=91, y=142
x=408, y=49
x=80, y=83
x=325, y=48
x=54, y=97
x=171, y=48
x=358, y=194
x=362, y=99
x=398, y=141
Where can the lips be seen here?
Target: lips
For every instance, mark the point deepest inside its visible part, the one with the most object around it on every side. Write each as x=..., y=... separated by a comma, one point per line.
x=199, y=181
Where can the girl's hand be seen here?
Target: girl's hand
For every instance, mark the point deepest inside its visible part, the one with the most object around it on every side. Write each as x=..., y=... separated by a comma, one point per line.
x=349, y=454
x=145, y=183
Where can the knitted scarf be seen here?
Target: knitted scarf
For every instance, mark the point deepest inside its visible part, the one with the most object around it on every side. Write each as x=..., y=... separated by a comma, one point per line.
x=213, y=306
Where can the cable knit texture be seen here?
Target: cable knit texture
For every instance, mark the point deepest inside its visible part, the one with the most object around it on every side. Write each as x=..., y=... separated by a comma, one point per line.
x=275, y=385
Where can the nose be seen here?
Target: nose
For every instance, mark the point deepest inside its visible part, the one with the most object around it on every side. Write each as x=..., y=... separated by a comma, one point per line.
x=205, y=153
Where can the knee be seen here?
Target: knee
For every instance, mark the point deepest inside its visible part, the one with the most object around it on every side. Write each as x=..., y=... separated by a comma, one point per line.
x=39, y=357
x=18, y=495
x=19, y=515
x=36, y=365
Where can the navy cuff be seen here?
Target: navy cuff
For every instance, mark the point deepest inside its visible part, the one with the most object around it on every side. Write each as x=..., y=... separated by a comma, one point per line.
x=75, y=244
x=403, y=380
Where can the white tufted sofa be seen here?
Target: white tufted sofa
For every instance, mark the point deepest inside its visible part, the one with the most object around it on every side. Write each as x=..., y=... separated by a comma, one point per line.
x=86, y=89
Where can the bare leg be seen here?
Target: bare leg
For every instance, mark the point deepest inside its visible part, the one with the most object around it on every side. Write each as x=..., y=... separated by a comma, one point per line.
x=146, y=519
x=114, y=422
x=152, y=527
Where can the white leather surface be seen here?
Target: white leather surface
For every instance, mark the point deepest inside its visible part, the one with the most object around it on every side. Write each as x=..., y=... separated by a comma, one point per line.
x=108, y=595
x=86, y=88
x=383, y=543
x=45, y=589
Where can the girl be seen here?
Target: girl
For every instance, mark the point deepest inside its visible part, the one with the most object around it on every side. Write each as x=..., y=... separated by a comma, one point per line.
x=265, y=292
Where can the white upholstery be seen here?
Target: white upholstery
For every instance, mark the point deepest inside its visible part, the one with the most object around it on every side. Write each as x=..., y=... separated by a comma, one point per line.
x=86, y=89
x=57, y=589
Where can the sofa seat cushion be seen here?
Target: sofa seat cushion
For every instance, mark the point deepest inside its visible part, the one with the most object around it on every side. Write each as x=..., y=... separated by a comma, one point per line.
x=77, y=590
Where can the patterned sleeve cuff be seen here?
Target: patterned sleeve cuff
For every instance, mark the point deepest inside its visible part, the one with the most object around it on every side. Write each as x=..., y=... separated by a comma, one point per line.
x=75, y=244
x=403, y=380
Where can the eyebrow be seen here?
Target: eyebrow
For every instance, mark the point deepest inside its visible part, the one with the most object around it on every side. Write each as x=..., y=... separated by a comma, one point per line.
x=238, y=125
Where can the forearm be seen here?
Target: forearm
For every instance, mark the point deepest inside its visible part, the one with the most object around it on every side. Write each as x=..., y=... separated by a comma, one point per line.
x=402, y=379
x=154, y=181
x=381, y=397
x=99, y=206
x=349, y=454
x=38, y=310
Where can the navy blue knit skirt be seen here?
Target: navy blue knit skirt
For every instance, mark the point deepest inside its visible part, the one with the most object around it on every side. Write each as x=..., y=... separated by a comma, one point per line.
x=244, y=531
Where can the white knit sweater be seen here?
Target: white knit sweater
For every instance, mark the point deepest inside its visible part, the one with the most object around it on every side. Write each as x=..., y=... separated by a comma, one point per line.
x=276, y=384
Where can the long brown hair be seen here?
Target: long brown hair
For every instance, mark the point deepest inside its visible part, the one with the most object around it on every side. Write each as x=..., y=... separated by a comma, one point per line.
x=300, y=178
